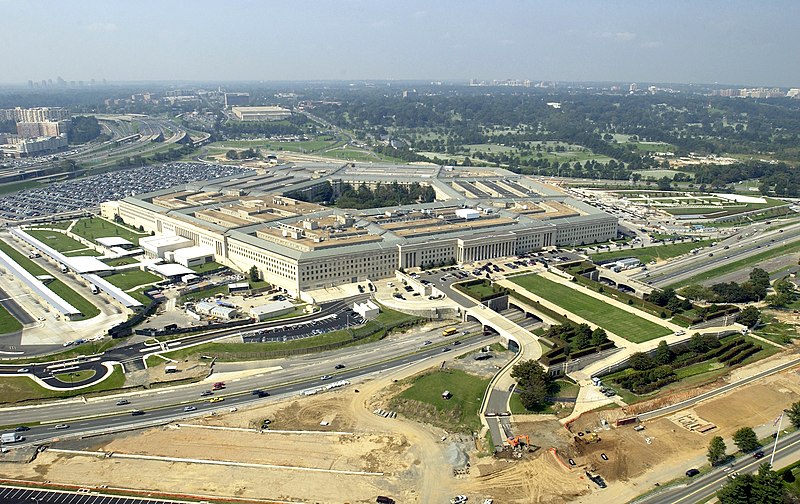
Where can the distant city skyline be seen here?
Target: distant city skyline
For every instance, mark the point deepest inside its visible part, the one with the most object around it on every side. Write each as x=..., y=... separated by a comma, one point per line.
x=582, y=41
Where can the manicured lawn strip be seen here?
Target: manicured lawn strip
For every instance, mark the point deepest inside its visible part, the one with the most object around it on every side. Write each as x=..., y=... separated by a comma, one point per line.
x=467, y=392
x=647, y=254
x=204, y=293
x=58, y=241
x=748, y=262
x=120, y=261
x=20, y=388
x=616, y=320
x=8, y=323
x=96, y=227
x=83, y=252
x=54, y=225
x=209, y=266
x=75, y=376
x=138, y=295
x=131, y=278
x=84, y=306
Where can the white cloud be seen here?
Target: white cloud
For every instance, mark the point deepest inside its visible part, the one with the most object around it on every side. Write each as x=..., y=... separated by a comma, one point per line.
x=102, y=27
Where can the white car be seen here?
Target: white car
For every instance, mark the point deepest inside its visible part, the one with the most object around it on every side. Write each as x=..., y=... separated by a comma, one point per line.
x=23, y=370
x=459, y=499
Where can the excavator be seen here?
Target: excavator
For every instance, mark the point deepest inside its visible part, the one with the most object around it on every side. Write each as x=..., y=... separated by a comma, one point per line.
x=517, y=440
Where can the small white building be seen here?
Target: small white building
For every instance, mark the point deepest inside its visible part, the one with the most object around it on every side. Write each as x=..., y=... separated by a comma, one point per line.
x=367, y=309
x=467, y=213
x=204, y=307
x=158, y=246
x=193, y=256
x=271, y=309
x=224, y=312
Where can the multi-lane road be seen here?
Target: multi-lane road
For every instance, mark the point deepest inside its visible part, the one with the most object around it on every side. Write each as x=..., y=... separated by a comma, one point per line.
x=752, y=241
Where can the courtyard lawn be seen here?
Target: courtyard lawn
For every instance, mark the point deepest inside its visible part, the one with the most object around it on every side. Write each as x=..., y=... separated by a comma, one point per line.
x=132, y=278
x=209, y=266
x=22, y=388
x=611, y=318
x=58, y=241
x=95, y=228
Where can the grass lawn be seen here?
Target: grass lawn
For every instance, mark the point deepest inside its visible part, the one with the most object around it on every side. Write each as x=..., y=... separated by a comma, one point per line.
x=83, y=252
x=82, y=304
x=120, y=261
x=203, y=293
x=778, y=332
x=478, y=291
x=138, y=295
x=611, y=318
x=460, y=412
x=55, y=225
x=132, y=278
x=58, y=241
x=96, y=227
x=749, y=262
x=8, y=323
x=75, y=376
x=647, y=254
x=209, y=266
x=22, y=388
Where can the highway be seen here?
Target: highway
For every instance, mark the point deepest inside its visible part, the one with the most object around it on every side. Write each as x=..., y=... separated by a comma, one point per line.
x=102, y=414
x=754, y=240
x=700, y=488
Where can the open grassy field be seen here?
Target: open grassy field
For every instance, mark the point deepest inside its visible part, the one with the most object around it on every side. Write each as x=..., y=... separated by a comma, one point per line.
x=58, y=241
x=647, y=254
x=460, y=411
x=82, y=304
x=8, y=323
x=87, y=252
x=22, y=388
x=132, y=278
x=75, y=376
x=611, y=318
x=120, y=261
x=95, y=228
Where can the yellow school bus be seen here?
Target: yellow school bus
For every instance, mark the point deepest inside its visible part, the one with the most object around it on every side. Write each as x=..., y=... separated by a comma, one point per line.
x=449, y=331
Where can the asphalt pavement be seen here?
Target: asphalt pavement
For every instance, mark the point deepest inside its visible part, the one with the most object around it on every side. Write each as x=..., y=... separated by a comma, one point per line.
x=19, y=495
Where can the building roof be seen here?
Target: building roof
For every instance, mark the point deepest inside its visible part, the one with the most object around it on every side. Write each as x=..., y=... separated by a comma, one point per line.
x=190, y=253
x=163, y=241
x=112, y=241
x=37, y=286
x=170, y=269
x=114, y=291
x=271, y=307
x=84, y=264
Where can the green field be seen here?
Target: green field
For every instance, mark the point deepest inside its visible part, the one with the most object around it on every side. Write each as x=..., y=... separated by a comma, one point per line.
x=58, y=241
x=209, y=266
x=8, y=323
x=75, y=376
x=647, y=254
x=82, y=304
x=83, y=253
x=132, y=278
x=21, y=388
x=611, y=318
x=459, y=413
x=95, y=228
x=120, y=261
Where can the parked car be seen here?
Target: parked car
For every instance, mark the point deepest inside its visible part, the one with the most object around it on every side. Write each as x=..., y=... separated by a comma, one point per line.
x=692, y=473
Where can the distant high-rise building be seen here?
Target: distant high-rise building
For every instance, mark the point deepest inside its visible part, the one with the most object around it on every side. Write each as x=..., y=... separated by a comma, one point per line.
x=632, y=88
x=410, y=93
x=41, y=114
x=40, y=129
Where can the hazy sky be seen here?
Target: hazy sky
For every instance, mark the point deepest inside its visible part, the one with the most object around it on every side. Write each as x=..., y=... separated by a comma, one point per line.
x=703, y=41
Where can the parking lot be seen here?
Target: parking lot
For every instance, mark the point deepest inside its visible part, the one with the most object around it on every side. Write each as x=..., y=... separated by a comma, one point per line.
x=75, y=195
x=15, y=495
x=300, y=330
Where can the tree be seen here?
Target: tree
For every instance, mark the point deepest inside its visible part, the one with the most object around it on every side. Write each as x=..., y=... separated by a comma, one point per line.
x=794, y=414
x=664, y=355
x=749, y=317
x=767, y=487
x=641, y=361
x=716, y=450
x=599, y=336
x=534, y=384
x=737, y=491
x=746, y=439
x=231, y=154
x=664, y=184
x=254, y=274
